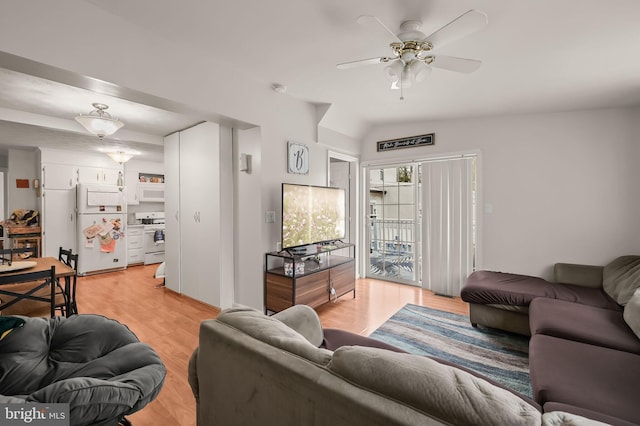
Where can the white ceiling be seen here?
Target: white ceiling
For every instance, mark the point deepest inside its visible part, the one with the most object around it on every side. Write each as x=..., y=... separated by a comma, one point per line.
x=538, y=55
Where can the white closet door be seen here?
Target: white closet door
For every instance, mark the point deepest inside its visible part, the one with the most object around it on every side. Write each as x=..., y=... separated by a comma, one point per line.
x=447, y=225
x=200, y=212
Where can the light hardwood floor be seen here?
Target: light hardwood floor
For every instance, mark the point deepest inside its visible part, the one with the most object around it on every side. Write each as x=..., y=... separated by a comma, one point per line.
x=170, y=322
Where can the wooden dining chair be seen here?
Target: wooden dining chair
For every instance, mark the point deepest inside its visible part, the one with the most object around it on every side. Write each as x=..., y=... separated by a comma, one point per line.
x=9, y=255
x=67, y=257
x=28, y=292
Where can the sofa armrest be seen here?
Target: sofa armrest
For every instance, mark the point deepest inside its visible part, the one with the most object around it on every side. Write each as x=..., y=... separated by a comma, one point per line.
x=584, y=275
x=192, y=375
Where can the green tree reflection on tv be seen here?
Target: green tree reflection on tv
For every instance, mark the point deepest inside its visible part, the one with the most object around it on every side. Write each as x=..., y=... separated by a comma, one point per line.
x=312, y=214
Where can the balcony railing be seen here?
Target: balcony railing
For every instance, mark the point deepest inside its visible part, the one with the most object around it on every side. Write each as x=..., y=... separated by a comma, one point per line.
x=392, y=248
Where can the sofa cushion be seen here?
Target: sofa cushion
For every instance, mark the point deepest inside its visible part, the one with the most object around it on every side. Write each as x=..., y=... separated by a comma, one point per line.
x=632, y=313
x=446, y=392
x=335, y=338
x=273, y=332
x=499, y=288
x=304, y=320
x=95, y=364
x=582, y=323
x=621, y=278
x=600, y=379
x=556, y=414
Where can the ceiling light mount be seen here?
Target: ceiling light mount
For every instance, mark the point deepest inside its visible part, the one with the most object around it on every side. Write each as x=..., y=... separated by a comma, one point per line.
x=99, y=121
x=278, y=88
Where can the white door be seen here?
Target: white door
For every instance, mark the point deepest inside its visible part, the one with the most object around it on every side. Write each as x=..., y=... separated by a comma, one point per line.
x=172, y=211
x=199, y=212
x=58, y=220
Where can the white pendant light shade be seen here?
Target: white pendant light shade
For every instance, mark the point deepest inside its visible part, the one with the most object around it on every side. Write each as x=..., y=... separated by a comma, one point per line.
x=407, y=77
x=120, y=156
x=99, y=122
x=420, y=70
x=393, y=71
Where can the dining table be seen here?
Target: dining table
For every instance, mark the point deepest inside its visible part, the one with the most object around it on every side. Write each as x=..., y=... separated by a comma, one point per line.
x=63, y=273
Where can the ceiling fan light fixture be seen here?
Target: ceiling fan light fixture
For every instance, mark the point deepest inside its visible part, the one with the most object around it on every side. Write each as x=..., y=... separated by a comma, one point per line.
x=407, y=77
x=99, y=121
x=420, y=70
x=394, y=70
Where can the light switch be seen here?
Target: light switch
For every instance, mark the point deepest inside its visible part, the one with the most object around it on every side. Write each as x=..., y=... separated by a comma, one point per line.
x=270, y=217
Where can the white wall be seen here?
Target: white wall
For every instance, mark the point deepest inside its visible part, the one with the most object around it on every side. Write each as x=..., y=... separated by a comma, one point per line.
x=183, y=74
x=563, y=187
x=22, y=165
x=249, y=220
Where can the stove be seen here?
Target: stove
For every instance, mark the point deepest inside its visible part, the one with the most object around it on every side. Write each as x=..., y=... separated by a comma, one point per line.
x=151, y=218
x=153, y=236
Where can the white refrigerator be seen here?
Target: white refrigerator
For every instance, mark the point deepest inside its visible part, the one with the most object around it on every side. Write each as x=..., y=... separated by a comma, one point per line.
x=101, y=228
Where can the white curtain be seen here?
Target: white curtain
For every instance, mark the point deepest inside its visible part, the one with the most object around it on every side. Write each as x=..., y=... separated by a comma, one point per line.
x=447, y=228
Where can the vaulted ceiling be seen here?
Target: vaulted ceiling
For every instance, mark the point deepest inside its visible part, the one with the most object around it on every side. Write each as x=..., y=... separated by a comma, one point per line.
x=537, y=55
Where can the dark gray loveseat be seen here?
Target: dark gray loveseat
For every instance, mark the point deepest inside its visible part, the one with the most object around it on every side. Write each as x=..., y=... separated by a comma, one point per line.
x=584, y=352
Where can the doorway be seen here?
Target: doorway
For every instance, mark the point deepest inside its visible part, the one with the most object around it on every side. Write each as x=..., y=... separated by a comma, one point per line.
x=342, y=172
x=392, y=223
x=422, y=222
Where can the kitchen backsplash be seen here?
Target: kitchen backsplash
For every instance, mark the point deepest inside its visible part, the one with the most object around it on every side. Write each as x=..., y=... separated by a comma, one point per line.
x=142, y=207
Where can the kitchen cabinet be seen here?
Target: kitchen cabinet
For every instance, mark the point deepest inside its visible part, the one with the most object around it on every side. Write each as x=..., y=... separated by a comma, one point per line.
x=133, y=170
x=60, y=172
x=135, y=251
x=59, y=176
x=199, y=219
x=131, y=182
x=59, y=220
x=101, y=175
x=58, y=204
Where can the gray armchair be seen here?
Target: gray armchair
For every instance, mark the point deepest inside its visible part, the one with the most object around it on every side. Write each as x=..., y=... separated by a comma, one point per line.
x=95, y=364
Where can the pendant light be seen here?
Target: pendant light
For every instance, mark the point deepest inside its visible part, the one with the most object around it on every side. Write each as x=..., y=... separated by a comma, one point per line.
x=120, y=156
x=99, y=121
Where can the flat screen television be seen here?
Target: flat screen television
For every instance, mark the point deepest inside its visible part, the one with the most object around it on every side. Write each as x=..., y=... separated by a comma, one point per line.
x=312, y=214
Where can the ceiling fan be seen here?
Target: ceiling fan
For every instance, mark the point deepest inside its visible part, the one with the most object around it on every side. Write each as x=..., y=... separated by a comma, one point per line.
x=412, y=51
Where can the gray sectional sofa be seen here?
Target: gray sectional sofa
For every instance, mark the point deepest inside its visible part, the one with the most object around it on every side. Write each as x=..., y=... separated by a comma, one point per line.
x=584, y=352
x=252, y=369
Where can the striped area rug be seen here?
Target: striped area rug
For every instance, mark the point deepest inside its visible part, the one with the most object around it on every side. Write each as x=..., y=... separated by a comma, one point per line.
x=501, y=356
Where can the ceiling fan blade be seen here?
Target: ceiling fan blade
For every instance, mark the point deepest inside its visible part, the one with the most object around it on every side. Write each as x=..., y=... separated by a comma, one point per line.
x=361, y=62
x=451, y=63
x=465, y=24
x=368, y=20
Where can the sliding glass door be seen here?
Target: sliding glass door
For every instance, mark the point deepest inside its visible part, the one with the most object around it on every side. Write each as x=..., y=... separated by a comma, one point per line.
x=422, y=223
x=392, y=224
